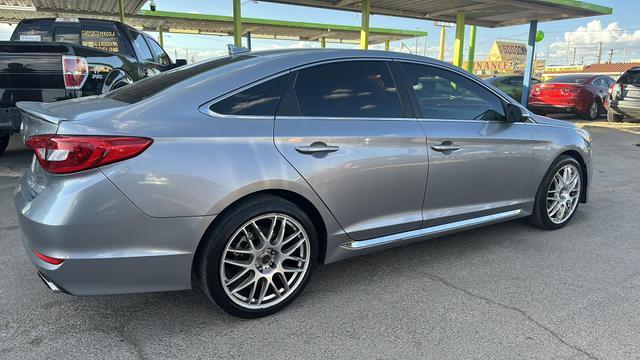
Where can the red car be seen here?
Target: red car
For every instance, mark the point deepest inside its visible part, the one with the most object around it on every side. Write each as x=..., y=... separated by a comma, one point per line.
x=575, y=94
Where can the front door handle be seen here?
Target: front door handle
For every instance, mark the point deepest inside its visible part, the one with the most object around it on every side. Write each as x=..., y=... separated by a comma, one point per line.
x=446, y=146
x=316, y=148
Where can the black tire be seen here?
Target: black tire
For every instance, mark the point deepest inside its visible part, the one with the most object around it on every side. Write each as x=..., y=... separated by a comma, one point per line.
x=590, y=114
x=613, y=117
x=210, y=255
x=4, y=142
x=540, y=218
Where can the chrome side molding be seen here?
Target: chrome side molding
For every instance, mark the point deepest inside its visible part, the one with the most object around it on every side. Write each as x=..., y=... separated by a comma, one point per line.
x=428, y=231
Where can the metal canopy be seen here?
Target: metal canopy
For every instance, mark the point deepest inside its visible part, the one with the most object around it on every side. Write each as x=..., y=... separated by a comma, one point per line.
x=83, y=6
x=487, y=13
x=223, y=25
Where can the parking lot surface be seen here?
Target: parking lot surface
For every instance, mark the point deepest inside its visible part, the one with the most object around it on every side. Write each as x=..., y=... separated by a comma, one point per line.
x=504, y=291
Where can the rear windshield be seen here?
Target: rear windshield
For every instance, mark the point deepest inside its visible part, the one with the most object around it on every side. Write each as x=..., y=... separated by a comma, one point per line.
x=38, y=31
x=569, y=79
x=630, y=77
x=146, y=88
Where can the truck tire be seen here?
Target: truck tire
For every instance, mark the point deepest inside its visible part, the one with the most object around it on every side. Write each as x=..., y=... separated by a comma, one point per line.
x=4, y=142
x=612, y=117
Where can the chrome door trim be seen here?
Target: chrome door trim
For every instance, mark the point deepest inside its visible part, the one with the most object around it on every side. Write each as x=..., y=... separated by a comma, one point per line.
x=432, y=230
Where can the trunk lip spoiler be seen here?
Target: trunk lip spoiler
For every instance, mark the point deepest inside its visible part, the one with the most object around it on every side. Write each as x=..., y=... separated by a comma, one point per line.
x=36, y=109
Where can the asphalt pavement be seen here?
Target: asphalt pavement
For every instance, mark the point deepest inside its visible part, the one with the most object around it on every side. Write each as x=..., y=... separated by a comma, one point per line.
x=504, y=291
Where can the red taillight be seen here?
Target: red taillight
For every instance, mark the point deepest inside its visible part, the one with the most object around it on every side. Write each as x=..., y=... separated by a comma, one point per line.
x=48, y=259
x=75, y=71
x=535, y=91
x=64, y=154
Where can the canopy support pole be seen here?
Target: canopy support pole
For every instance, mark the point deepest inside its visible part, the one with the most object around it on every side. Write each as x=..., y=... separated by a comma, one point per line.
x=121, y=10
x=364, y=29
x=443, y=40
x=323, y=42
x=160, y=36
x=249, y=40
x=387, y=45
x=237, y=24
x=458, y=48
x=528, y=68
x=472, y=48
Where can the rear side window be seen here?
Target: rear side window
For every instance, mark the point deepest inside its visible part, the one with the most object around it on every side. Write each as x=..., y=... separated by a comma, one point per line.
x=40, y=30
x=70, y=34
x=631, y=77
x=142, y=49
x=347, y=89
x=443, y=94
x=148, y=87
x=258, y=100
x=103, y=37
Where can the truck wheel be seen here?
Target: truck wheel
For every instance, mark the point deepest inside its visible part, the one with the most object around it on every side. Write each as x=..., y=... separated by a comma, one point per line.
x=612, y=117
x=4, y=142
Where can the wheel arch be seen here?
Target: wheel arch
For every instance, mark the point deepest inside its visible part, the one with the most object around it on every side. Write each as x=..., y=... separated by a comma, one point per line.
x=115, y=77
x=305, y=204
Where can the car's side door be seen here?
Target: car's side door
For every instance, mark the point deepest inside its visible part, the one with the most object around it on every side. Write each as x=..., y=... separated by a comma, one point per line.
x=479, y=163
x=344, y=128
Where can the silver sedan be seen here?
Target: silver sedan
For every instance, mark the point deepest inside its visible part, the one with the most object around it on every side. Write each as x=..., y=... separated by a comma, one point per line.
x=244, y=172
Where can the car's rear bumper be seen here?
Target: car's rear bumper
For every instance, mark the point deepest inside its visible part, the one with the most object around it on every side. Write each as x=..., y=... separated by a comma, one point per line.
x=624, y=107
x=108, y=245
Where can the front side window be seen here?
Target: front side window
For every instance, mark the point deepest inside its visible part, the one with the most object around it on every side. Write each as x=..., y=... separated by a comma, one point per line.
x=442, y=94
x=142, y=49
x=160, y=55
x=258, y=100
x=347, y=89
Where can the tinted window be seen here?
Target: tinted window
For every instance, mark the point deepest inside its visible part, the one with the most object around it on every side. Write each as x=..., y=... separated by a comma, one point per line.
x=160, y=55
x=347, y=89
x=39, y=30
x=261, y=99
x=142, y=49
x=569, y=79
x=70, y=34
x=630, y=77
x=102, y=37
x=145, y=88
x=515, y=81
x=443, y=94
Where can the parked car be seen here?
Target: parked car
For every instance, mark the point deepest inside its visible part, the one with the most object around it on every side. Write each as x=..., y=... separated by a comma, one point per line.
x=247, y=171
x=623, y=99
x=512, y=85
x=56, y=59
x=578, y=94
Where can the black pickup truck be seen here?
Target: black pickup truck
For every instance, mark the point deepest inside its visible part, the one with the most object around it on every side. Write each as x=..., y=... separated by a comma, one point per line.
x=55, y=59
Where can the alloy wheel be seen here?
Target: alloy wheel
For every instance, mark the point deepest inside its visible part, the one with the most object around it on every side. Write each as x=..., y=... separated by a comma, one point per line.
x=563, y=194
x=593, y=110
x=265, y=261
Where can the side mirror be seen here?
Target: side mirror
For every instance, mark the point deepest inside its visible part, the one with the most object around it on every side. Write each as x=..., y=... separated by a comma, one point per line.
x=516, y=114
x=180, y=62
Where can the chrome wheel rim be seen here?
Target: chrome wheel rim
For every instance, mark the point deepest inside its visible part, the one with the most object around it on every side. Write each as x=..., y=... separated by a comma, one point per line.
x=563, y=194
x=593, y=112
x=265, y=261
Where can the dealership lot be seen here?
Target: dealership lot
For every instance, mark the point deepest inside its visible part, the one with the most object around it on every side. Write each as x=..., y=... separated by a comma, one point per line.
x=505, y=291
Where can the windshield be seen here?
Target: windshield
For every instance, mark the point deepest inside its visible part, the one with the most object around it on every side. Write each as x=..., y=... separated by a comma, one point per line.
x=630, y=77
x=148, y=87
x=569, y=79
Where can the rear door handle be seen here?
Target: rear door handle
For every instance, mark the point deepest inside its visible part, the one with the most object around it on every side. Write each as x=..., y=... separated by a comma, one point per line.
x=446, y=147
x=316, y=148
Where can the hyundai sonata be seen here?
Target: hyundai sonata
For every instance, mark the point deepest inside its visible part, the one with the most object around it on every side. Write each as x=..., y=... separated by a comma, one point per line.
x=244, y=172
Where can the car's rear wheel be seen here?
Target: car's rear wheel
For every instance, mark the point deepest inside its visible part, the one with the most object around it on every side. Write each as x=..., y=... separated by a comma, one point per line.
x=613, y=117
x=4, y=142
x=558, y=195
x=594, y=110
x=259, y=257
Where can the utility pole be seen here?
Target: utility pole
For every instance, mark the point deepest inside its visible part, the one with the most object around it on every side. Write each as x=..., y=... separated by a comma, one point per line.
x=546, y=60
x=611, y=56
x=573, y=62
x=599, y=53
x=568, y=47
x=624, y=58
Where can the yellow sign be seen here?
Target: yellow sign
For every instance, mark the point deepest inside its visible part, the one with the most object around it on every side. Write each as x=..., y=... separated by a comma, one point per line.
x=508, y=51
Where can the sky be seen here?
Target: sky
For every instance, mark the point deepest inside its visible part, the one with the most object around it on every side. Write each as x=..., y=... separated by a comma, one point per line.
x=619, y=32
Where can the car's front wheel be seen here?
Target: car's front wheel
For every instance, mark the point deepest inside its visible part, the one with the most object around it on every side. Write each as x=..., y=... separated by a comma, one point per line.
x=259, y=257
x=559, y=194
